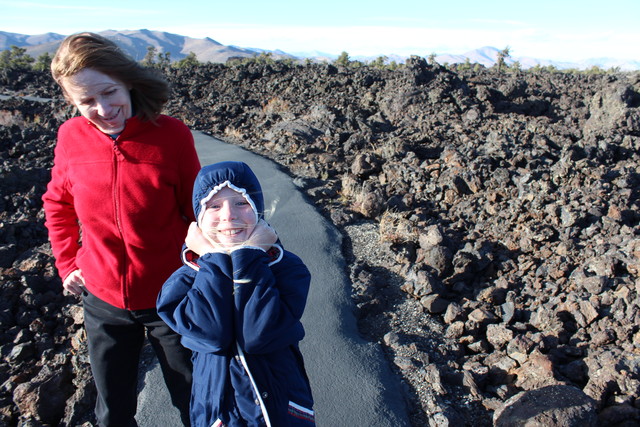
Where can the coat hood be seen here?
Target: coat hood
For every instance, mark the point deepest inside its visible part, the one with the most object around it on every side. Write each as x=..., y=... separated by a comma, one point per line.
x=235, y=175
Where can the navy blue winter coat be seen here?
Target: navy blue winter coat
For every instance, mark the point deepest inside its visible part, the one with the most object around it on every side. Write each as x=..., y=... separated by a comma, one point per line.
x=240, y=314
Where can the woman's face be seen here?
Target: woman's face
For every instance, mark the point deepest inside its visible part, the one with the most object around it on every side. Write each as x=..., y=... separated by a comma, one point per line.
x=228, y=218
x=101, y=99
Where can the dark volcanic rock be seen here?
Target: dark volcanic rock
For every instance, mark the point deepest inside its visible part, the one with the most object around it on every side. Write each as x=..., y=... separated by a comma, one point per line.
x=553, y=406
x=491, y=228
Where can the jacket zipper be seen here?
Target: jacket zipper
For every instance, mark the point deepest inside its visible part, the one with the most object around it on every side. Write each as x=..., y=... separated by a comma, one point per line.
x=263, y=407
x=117, y=154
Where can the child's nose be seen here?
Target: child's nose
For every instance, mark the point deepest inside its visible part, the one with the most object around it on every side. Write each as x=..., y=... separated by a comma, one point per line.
x=228, y=212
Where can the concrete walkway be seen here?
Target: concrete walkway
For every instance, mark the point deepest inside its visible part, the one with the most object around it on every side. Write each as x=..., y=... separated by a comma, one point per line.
x=351, y=382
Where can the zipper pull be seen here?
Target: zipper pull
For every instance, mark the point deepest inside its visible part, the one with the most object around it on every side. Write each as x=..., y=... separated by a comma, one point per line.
x=119, y=154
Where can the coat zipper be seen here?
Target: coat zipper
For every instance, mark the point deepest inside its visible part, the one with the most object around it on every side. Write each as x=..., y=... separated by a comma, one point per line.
x=117, y=154
x=263, y=408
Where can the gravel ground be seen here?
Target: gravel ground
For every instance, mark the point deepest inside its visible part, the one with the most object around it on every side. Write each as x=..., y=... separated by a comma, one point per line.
x=413, y=340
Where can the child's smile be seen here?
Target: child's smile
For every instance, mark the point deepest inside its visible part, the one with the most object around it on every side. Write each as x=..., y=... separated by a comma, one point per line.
x=229, y=219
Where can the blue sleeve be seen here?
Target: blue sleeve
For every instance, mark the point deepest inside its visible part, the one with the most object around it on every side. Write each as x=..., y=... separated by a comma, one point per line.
x=199, y=305
x=269, y=300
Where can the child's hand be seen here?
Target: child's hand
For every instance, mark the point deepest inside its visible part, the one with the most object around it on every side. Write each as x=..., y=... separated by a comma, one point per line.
x=263, y=236
x=199, y=243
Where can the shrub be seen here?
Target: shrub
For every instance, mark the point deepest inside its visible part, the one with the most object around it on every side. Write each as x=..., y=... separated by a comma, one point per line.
x=188, y=61
x=15, y=58
x=343, y=59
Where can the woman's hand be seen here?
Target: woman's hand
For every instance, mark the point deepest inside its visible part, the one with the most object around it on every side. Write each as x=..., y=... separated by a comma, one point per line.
x=74, y=282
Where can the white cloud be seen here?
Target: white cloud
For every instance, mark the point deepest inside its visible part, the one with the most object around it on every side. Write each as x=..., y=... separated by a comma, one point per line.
x=379, y=40
x=408, y=35
x=361, y=40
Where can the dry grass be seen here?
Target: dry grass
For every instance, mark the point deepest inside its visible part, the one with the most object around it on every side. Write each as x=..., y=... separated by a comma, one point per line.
x=277, y=106
x=395, y=228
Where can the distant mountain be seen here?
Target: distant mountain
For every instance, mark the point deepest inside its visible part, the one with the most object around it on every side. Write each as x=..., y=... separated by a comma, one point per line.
x=21, y=40
x=136, y=42
x=488, y=56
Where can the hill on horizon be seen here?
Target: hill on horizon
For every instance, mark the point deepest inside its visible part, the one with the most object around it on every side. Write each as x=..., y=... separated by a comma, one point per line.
x=136, y=43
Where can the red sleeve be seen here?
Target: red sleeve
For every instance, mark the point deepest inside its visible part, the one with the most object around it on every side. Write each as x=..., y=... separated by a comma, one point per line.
x=189, y=168
x=60, y=216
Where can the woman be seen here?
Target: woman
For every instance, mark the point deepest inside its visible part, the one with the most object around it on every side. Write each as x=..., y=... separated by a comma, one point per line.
x=117, y=210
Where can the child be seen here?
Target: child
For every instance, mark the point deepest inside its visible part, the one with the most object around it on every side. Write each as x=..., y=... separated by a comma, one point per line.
x=237, y=302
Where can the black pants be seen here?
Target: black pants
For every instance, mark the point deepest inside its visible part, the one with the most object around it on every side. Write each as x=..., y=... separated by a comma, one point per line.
x=115, y=338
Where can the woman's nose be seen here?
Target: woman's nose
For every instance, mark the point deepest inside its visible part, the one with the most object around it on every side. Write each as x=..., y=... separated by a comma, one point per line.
x=103, y=108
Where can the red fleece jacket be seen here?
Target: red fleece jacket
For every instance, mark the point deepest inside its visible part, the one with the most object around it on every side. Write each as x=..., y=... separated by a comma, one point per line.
x=119, y=210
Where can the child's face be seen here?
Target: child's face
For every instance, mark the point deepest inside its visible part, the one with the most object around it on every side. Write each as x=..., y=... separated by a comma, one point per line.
x=228, y=218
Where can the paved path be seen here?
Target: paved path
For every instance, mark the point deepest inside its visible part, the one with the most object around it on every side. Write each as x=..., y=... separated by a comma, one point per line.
x=351, y=383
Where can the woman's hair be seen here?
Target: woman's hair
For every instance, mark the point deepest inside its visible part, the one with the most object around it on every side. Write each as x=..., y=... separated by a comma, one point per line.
x=149, y=89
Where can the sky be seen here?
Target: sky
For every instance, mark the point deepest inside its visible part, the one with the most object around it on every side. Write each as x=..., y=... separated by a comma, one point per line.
x=559, y=30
